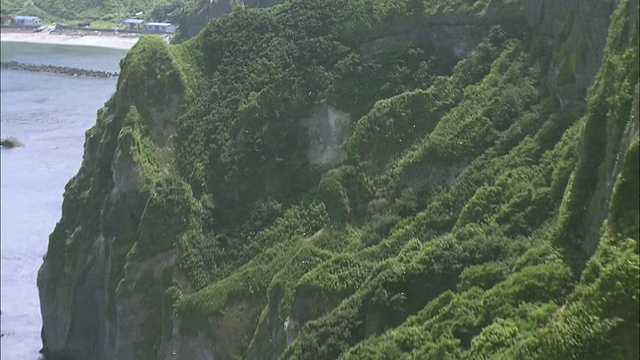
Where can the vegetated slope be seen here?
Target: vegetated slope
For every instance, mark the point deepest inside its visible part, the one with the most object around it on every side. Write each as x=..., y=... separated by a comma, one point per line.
x=111, y=10
x=191, y=15
x=195, y=14
x=360, y=179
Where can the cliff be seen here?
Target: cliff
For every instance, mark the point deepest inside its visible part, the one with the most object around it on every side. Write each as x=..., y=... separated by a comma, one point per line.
x=360, y=179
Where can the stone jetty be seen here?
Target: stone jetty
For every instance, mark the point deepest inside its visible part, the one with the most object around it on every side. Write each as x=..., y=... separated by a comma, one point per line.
x=14, y=65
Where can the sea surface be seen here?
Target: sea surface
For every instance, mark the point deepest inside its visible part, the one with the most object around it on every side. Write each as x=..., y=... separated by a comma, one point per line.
x=48, y=113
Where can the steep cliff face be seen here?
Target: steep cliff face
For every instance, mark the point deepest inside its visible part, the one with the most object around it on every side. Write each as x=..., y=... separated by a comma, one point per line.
x=344, y=179
x=91, y=267
x=328, y=130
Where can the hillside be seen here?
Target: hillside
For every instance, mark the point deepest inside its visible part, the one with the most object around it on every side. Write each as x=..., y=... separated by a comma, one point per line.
x=191, y=15
x=361, y=179
x=109, y=11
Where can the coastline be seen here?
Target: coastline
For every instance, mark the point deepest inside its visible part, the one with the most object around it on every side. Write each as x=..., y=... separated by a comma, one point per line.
x=95, y=39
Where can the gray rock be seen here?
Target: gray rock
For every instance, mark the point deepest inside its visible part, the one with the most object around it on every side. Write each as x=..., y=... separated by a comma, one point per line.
x=10, y=142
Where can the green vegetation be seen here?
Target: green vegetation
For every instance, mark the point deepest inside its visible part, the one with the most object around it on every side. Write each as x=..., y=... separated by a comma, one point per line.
x=98, y=14
x=20, y=7
x=107, y=11
x=474, y=216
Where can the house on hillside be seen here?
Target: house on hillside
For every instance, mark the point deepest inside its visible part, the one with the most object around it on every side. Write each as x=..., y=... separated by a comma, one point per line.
x=134, y=24
x=161, y=28
x=26, y=21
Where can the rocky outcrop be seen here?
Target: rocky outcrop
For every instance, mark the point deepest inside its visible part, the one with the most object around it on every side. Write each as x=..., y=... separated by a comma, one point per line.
x=577, y=30
x=142, y=284
x=226, y=336
x=418, y=176
x=113, y=257
x=64, y=70
x=308, y=304
x=10, y=142
x=93, y=328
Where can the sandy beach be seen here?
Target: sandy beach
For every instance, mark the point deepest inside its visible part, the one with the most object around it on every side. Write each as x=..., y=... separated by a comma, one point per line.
x=97, y=39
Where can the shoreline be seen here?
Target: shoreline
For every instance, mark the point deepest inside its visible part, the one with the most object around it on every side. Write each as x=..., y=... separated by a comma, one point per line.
x=97, y=39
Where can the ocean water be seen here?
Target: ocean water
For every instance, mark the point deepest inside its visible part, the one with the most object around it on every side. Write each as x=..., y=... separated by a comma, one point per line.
x=49, y=114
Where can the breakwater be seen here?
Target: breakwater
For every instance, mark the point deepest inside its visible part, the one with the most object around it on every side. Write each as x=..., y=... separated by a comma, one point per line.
x=65, y=70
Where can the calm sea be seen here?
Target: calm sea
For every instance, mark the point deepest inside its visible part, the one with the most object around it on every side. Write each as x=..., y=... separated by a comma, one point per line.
x=49, y=114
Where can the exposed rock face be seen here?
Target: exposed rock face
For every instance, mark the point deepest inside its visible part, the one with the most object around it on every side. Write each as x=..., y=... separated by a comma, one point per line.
x=229, y=334
x=419, y=176
x=96, y=303
x=199, y=347
x=329, y=130
x=453, y=34
x=192, y=23
x=10, y=142
x=307, y=305
x=623, y=138
x=577, y=28
x=137, y=297
x=73, y=335
x=127, y=175
x=86, y=316
x=89, y=332
x=579, y=31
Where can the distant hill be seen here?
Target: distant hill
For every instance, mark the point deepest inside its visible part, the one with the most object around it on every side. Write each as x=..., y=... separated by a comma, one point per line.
x=360, y=179
x=111, y=10
x=192, y=15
